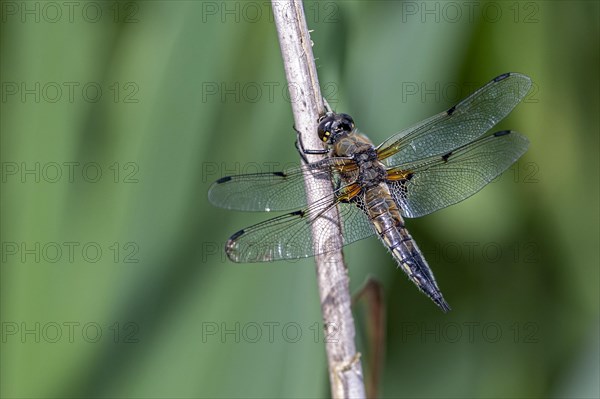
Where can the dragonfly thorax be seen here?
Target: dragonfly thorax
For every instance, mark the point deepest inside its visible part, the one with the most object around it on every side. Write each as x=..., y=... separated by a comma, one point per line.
x=371, y=172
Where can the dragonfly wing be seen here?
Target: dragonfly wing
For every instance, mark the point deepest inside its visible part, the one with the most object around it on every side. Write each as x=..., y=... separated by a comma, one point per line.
x=461, y=124
x=275, y=191
x=290, y=236
x=440, y=181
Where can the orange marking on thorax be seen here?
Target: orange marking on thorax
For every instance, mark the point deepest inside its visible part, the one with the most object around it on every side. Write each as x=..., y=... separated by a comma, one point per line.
x=398, y=174
x=349, y=192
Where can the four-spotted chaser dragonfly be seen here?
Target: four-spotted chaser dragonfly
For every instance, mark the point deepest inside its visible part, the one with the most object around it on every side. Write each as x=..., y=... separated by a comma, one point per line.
x=431, y=165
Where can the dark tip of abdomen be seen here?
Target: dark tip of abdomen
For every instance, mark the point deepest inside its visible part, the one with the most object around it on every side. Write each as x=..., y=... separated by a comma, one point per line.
x=442, y=304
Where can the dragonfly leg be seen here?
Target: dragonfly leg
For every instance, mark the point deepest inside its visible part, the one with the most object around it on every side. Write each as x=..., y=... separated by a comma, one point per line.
x=327, y=106
x=300, y=146
x=303, y=151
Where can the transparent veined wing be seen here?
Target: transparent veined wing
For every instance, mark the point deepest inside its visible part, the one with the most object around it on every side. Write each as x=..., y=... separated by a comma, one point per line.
x=440, y=181
x=290, y=236
x=459, y=125
x=273, y=191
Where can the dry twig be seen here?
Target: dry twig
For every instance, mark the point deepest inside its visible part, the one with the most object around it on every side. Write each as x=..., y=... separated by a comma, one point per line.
x=345, y=370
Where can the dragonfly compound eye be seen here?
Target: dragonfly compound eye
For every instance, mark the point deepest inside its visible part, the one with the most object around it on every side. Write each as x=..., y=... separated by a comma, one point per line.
x=324, y=128
x=331, y=126
x=346, y=122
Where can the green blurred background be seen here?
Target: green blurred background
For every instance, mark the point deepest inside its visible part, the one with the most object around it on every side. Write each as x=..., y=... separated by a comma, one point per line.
x=116, y=117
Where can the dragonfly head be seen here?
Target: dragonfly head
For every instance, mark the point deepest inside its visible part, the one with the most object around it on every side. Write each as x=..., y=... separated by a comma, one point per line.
x=332, y=126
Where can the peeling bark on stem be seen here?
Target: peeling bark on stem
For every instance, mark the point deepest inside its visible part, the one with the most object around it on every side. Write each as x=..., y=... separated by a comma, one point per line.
x=345, y=371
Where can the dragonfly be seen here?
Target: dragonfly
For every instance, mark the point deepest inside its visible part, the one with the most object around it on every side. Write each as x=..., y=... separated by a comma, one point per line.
x=437, y=162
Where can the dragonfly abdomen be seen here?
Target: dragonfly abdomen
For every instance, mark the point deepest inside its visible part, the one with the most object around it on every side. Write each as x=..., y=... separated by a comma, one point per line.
x=388, y=222
x=413, y=263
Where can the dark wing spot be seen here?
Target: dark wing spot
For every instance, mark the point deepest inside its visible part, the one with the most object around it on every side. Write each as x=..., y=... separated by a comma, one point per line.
x=451, y=110
x=446, y=156
x=501, y=77
x=236, y=235
x=502, y=133
x=301, y=213
x=223, y=179
x=279, y=174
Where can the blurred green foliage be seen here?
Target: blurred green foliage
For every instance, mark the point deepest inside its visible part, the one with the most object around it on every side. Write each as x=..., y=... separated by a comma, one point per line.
x=116, y=285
